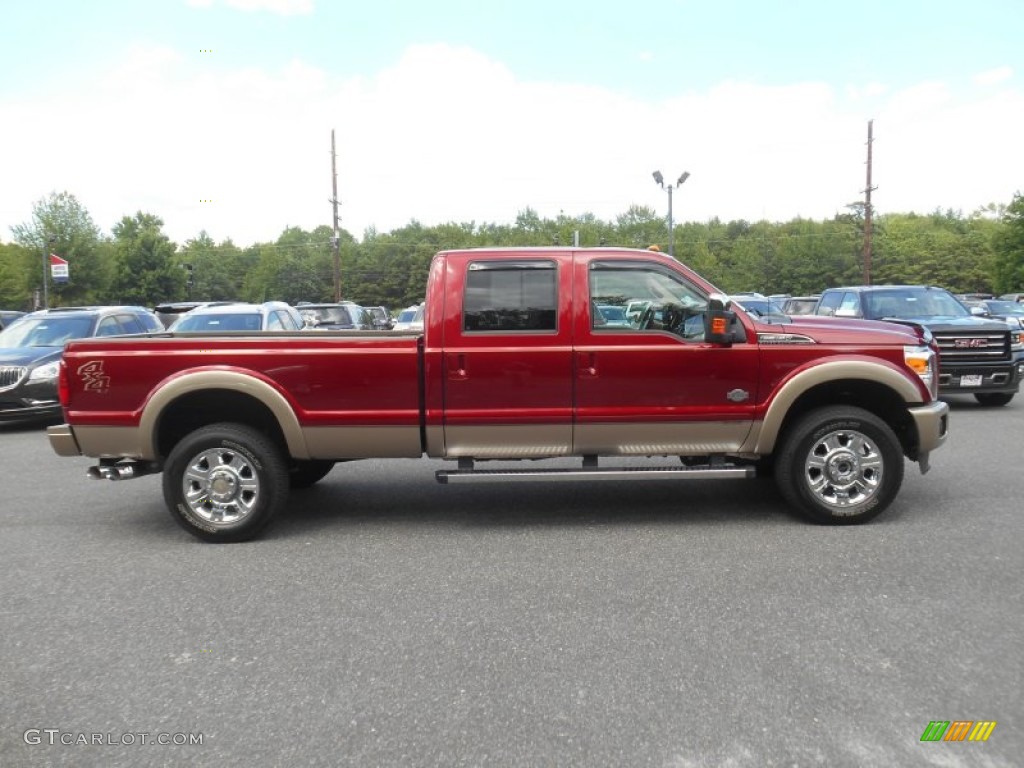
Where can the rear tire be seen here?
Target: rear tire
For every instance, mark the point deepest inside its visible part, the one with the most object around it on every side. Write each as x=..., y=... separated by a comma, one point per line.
x=839, y=466
x=994, y=399
x=225, y=482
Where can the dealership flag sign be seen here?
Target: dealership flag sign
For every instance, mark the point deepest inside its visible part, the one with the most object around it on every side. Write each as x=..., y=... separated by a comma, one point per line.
x=58, y=268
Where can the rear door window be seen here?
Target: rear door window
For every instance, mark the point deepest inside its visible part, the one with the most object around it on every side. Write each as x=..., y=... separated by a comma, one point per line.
x=511, y=296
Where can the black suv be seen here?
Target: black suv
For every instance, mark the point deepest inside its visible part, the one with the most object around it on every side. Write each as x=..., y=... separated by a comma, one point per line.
x=30, y=351
x=977, y=356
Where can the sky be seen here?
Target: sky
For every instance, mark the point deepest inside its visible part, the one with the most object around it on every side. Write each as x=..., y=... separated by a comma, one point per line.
x=216, y=115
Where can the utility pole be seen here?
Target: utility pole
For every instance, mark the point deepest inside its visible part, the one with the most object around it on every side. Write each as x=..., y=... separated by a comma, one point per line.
x=335, y=241
x=867, y=210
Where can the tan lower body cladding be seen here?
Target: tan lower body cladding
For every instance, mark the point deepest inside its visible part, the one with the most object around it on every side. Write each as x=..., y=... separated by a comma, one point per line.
x=627, y=439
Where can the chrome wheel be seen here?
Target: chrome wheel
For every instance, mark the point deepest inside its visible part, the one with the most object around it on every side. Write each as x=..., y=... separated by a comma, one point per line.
x=843, y=469
x=839, y=465
x=225, y=482
x=220, y=486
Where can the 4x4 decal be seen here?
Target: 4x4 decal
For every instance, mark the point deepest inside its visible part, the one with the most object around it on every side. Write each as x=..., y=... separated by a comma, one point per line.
x=93, y=378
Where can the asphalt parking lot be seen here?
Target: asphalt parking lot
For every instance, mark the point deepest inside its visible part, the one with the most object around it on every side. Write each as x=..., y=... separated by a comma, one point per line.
x=390, y=621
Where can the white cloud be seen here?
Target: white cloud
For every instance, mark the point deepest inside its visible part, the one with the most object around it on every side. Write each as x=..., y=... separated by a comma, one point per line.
x=994, y=76
x=447, y=134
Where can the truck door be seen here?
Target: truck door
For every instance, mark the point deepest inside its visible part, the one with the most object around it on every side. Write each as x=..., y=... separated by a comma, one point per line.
x=508, y=356
x=648, y=384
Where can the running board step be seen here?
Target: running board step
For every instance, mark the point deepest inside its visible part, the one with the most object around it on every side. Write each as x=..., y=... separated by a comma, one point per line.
x=618, y=474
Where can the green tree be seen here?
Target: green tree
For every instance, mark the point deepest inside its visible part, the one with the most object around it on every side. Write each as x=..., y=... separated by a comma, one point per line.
x=218, y=270
x=61, y=225
x=20, y=272
x=1008, y=248
x=146, y=271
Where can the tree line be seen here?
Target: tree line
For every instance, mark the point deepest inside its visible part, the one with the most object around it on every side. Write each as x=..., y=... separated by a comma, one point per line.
x=138, y=264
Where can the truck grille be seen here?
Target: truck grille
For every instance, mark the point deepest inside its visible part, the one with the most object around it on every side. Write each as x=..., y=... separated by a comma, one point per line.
x=10, y=375
x=989, y=346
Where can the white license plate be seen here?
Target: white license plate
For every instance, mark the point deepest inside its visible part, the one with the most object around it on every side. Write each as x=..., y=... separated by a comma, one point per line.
x=973, y=380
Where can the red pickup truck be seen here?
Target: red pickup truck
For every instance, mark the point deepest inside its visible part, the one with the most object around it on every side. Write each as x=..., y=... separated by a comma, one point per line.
x=526, y=353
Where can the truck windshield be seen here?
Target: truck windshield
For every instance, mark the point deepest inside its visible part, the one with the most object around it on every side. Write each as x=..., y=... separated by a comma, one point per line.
x=912, y=302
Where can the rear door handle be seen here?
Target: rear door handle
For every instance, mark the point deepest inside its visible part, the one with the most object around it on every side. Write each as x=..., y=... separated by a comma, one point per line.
x=457, y=367
x=586, y=363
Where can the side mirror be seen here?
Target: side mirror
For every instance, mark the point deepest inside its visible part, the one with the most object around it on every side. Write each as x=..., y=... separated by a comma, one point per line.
x=719, y=302
x=718, y=320
x=980, y=312
x=846, y=313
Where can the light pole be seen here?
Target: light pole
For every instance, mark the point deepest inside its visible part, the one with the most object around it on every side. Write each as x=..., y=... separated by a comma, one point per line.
x=660, y=180
x=47, y=244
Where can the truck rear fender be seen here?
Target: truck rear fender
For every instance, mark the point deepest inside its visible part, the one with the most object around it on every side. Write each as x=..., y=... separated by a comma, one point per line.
x=875, y=385
x=241, y=393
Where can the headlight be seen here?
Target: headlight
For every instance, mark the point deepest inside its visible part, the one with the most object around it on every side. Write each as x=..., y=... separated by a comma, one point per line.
x=921, y=360
x=46, y=372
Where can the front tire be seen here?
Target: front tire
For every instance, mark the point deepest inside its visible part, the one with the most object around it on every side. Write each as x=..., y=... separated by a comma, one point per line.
x=839, y=466
x=994, y=398
x=225, y=482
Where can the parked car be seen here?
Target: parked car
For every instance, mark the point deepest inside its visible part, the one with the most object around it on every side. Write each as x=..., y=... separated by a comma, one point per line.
x=410, y=318
x=977, y=356
x=344, y=316
x=1012, y=297
x=757, y=303
x=382, y=320
x=214, y=318
x=800, y=305
x=8, y=316
x=30, y=351
x=1011, y=312
x=170, y=311
x=613, y=316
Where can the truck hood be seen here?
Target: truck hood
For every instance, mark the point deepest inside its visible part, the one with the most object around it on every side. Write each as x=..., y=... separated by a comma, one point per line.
x=29, y=355
x=843, y=330
x=947, y=323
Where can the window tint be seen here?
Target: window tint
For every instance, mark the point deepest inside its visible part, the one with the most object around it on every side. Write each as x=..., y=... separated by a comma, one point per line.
x=289, y=322
x=850, y=303
x=829, y=302
x=644, y=297
x=130, y=324
x=108, y=327
x=510, y=296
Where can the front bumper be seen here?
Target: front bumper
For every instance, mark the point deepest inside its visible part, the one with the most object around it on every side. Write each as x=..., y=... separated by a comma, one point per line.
x=965, y=379
x=43, y=410
x=932, y=423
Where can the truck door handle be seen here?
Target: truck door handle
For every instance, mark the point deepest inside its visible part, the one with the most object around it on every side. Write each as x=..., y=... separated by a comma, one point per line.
x=457, y=367
x=587, y=364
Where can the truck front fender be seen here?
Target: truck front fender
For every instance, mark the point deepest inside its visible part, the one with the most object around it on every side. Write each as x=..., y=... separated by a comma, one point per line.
x=762, y=441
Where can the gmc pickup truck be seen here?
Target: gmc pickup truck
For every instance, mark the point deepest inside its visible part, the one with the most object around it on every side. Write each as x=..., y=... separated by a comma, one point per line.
x=516, y=362
x=979, y=356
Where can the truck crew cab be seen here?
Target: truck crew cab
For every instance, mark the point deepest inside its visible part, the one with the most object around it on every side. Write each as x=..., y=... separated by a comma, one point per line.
x=516, y=361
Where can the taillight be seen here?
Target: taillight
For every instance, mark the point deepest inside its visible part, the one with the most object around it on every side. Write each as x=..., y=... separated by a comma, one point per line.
x=63, y=385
